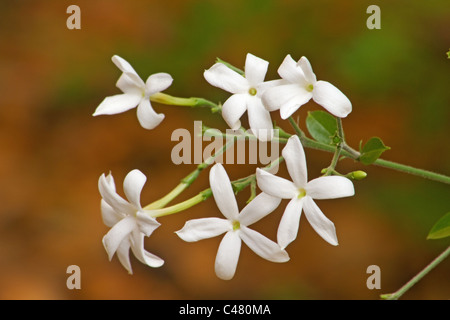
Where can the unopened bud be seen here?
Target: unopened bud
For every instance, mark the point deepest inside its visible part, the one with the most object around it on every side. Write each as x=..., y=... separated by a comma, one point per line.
x=357, y=175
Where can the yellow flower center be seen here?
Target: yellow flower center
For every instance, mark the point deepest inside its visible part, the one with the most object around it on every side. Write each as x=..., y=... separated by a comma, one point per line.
x=236, y=225
x=252, y=91
x=301, y=193
x=310, y=88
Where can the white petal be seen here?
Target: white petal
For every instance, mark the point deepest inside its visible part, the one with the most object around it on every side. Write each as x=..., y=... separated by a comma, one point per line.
x=302, y=97
x=157, y=82
x=128, y=85
x=110, y=216
x=258, y=208
x=288, y=98
x=108, y=193
x=307, y=70
x=117, y=234
x=137, y=246
x=223, y=77
x=132, y=187
x=294, y=155
x=233, y=109
x=263, y=86
x=289, y=71
x=330, y=187
x=147, y=117
x=289, y=224
x=146, y=223
x=125, y=67
x=323, y=226
x=223, y=192
x=199, y=229
x=262, y=246
x=123, y=253
x=228, y=256
x=255, y=69
x=275, y=186
x=117, y=104
x=259, y=119
x=332, y=99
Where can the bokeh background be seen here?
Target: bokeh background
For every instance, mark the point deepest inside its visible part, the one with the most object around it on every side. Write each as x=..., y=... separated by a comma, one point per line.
x=53, y=150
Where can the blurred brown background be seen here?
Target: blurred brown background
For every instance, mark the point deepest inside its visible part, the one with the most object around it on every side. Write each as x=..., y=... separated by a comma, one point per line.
x=53, y=150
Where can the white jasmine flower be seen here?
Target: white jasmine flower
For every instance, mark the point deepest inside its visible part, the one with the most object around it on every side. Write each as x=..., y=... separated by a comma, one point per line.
x=247, y=92
x=235, y=226
x=301, y=85
x=136, y=93
x=301, y=192
x=128, y=221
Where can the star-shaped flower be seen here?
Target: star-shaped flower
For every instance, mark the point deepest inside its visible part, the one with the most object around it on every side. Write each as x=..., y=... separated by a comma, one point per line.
x=136, y=93
x=299, y=87
x=128, y=221
x=235, y=226
x=247, y=92
x=301, y=192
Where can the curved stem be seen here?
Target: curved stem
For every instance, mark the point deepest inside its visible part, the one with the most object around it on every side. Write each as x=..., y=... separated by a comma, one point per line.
x=187, y=181
x=415, y=279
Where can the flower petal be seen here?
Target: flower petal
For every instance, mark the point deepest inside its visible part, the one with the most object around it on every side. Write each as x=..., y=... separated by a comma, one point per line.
x=289, y=71
x=259, y=119
x=117, y=104
x=332, y=99
x=146, y=223
x=132, y=187
x=137, y=246
x=323, y=226
x=128, y=85
x=289, y=224
x=263, y=86
x=302, y=97
x=307, y=70
x=157, y=82
x=262, y=246
x=108, y=193
x=233, y=109
x=275, y=186
x=126, y=67
x=117, y=234
x=228, y=256
x=147, y=117
x=294, y=155
x=123, y=253
x=199, y=229
x=223, y=192
x=258, y=208
x=110, y=216
x=255, y=69
x=223, y=77
x=330, y=187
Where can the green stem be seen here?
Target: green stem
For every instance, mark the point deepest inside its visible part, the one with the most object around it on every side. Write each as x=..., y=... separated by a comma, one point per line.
x=418, y=277
x=297, y=129
x=353, y=154
x=187, y=181
x=187, y=102
x=238, y=185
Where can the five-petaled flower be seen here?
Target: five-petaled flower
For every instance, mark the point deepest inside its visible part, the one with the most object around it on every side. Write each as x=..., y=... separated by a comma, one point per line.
x=136, y=93
x=301, y=192
x=235, y=226
x=300, y=85
x=129, y=222
x=247, y=92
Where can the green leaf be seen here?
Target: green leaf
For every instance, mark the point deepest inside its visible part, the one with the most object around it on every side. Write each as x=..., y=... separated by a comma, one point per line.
x=441, y=229
x=322, y=126
x=372, y=150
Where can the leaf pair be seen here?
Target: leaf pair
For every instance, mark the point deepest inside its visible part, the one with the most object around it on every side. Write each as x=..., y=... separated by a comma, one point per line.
x=323, y=128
